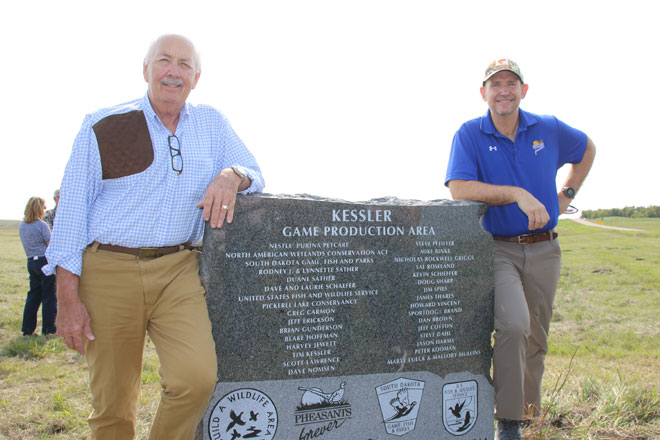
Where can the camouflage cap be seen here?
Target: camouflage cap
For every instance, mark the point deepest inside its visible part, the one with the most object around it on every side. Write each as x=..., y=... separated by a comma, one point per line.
x=503, y=64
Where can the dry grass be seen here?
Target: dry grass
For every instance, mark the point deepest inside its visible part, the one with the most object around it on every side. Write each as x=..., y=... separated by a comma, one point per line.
x=43, y=385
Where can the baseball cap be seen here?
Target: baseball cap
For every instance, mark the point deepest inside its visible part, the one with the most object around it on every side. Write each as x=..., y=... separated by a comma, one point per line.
x=503, y=64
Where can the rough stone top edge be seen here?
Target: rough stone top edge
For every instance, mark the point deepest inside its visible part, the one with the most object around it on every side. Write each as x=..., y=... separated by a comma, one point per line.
x=387, y=200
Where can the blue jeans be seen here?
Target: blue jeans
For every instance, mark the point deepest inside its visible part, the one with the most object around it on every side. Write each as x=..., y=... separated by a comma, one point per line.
x=42, y=291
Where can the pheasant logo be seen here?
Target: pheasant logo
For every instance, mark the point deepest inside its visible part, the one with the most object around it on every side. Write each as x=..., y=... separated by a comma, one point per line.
x=317, y=406
x=399, y=403
x=316, y=396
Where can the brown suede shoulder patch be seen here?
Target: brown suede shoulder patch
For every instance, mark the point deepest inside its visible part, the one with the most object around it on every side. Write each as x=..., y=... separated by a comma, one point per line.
x=124, y=144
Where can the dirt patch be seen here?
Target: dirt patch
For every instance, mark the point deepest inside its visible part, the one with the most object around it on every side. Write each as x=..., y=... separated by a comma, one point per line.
x=588, y=223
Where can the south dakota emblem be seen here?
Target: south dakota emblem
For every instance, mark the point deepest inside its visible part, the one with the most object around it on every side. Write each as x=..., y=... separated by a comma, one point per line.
x=399, y=403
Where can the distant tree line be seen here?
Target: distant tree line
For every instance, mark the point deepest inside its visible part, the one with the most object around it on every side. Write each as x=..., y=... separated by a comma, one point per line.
x=628, y=211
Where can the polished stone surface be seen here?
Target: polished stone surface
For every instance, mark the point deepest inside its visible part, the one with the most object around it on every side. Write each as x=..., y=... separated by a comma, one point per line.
x=350, y=320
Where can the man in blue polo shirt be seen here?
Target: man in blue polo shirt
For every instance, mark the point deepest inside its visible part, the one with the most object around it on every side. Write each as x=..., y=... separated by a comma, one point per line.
x=509, y=159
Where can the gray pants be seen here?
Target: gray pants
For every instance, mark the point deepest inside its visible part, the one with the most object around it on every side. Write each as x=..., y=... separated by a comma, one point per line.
x=526, y=278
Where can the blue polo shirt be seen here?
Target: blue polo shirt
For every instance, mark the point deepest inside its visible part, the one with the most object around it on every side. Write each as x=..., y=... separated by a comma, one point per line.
x=543, y=145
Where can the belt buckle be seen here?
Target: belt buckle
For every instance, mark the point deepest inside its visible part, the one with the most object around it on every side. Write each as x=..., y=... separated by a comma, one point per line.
x=149, y=253
x=522, y=237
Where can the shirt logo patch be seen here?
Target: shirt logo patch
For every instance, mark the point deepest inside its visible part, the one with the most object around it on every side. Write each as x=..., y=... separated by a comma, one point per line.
x=538, y=146
x=493, y=148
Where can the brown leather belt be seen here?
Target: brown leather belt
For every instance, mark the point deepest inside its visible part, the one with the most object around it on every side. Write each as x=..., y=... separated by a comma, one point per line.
x=528, y=238
x=151, y=252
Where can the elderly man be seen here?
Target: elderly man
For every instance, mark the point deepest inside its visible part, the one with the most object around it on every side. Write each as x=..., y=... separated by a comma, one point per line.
x=142, y=178
x=509, y=159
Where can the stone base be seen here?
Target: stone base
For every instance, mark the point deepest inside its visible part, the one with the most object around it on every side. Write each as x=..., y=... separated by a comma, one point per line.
x=415, y=405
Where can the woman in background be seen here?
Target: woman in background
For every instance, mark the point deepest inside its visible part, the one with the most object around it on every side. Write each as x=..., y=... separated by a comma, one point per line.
x=35, y=236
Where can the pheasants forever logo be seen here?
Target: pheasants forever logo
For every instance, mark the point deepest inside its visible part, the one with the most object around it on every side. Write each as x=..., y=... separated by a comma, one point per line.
x=318, y=406
x=241, y=414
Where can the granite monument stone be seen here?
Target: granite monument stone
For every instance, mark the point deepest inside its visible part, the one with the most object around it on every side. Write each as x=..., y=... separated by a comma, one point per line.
x=350, y=321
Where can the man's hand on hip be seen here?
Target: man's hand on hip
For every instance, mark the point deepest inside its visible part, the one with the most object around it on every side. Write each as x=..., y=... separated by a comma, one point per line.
x=564, y=202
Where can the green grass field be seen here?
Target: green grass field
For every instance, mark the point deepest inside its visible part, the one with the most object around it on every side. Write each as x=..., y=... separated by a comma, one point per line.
x=602, y=372
x=606, y=314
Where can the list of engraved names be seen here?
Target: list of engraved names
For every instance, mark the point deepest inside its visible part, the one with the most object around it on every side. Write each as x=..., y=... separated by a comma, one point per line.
x=316, y=272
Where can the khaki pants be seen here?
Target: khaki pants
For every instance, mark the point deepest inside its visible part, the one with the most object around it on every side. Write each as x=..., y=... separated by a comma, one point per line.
x=526, y=278
x=126, y=297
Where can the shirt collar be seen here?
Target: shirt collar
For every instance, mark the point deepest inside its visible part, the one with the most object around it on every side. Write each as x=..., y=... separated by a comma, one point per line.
x=525, y=120
x=151, y=114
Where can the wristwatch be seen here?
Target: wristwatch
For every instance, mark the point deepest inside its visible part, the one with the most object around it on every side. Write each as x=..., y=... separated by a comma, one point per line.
x=568, y=192
x=239, y=173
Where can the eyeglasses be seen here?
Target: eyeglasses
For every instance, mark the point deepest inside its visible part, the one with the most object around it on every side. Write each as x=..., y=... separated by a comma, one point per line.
x=175, y=152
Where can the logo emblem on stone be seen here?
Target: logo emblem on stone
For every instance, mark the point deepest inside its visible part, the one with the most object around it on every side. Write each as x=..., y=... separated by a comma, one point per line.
x=326, y=407
x=399, y=403
x=459, y=406
x=243, y=414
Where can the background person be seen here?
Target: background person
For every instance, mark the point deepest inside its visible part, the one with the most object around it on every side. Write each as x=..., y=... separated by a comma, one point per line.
x=141, y=180
x=49, y=217
x=35, y=236
x=509, y=159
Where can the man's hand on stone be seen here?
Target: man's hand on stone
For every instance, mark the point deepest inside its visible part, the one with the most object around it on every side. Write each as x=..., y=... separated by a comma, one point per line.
x=219, y=198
